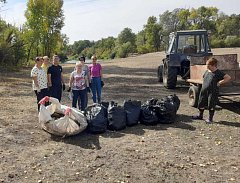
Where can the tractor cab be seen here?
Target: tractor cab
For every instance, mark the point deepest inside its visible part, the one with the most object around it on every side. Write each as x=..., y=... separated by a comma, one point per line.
x=182, y=45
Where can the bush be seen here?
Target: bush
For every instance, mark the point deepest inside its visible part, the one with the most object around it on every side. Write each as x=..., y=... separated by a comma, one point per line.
x=142, y=49
x=217, y=43
x=232, y=41
x=124, y=50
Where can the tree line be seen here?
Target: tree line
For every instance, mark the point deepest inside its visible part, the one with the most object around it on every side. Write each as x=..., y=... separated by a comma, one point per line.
x=224, y=31
x=41, y=34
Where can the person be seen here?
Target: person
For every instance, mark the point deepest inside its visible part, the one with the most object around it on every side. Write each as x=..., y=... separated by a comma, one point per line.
x=208, y=98
x=55, y=79
x=45, y=64
x=85, y=69
x=39, y=83
x=95, y=72
x=79, y=85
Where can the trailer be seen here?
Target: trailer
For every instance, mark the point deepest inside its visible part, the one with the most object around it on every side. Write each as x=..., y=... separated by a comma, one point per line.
x=227, y=63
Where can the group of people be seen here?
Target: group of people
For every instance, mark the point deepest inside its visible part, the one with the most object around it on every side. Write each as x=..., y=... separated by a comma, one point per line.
x=49, y=80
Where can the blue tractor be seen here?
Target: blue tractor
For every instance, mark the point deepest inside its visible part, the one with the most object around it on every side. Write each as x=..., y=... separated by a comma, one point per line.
x=182, y=45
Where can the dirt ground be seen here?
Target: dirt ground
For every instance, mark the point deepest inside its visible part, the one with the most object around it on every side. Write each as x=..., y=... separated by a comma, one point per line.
x=185, y=151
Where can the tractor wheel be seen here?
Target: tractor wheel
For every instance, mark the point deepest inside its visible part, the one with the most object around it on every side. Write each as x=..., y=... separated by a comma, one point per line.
x=160, y=73
x=193, y=94
x=169, y=76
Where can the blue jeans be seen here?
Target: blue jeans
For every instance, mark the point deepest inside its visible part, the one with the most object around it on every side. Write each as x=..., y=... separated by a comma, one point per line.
x=79, y=94
x=96, y=89
x=86, y=101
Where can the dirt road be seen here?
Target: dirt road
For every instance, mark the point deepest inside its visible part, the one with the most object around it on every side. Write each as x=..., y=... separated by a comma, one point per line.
x=185, y=151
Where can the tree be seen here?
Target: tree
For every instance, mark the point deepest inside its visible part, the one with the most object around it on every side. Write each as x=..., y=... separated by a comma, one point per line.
x=45, y=20
x=12, y=50
x=184, y=22
x=229, y=26
x=169, y=21
x=126, y=36
x=152, y=30
x=141, y=42
x=204, y=18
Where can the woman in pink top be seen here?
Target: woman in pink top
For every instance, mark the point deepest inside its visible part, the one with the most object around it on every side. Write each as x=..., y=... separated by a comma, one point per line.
x=95, y=71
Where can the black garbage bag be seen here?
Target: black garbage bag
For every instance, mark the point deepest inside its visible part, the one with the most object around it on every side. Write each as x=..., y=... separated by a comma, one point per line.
x=148, y=115
x=133, y=110
x=97, y=121
x=116, y=117
x=172, y=99
x=167, y=109
x=105, y=107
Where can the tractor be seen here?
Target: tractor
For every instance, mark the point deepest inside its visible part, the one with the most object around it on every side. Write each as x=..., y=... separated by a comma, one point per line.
x=182, y=45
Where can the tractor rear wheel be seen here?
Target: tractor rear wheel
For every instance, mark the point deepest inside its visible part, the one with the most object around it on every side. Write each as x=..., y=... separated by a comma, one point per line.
x=169, y=76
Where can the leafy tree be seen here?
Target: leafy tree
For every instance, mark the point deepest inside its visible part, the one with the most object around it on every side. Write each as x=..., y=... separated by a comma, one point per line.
x=184, y=22
x=79, y=46
x=229, y=26
x=204, y=18
x=12, y=50
x=141, y=42
x=169, y=21
x=152, y=30
x=126, y=36
x=44, y=22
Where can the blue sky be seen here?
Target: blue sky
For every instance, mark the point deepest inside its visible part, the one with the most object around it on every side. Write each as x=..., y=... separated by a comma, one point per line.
x=96, y=19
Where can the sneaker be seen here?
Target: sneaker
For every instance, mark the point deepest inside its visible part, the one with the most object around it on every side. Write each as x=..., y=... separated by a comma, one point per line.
x=197, y=117
x=208, y=121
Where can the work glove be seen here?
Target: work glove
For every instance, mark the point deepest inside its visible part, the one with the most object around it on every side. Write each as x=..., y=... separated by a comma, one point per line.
x=63, y=87
x=69, y=89
x=102, y=83
x=49, y=88
x=88, y=90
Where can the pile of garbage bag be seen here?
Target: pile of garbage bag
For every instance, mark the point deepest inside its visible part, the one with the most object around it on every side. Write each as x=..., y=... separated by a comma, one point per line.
x=61, y=120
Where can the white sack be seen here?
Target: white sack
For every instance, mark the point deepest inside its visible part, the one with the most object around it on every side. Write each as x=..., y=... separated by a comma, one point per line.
x=72, y=123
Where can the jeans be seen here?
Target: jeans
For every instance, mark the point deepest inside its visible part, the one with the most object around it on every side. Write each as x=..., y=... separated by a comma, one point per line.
x=96, y=89
x=40, y=95
x=86, y=101
x=79, y=94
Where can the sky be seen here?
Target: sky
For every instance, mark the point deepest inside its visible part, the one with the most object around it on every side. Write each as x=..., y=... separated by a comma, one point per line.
x=97, y=19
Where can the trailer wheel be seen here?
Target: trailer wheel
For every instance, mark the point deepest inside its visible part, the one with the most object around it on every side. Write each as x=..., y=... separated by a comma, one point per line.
x=193, y=94
x=160, y=73
x=169, y=76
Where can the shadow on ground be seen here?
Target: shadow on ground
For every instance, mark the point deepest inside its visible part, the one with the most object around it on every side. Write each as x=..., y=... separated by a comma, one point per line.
x=91, y=141
x=227, y=123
